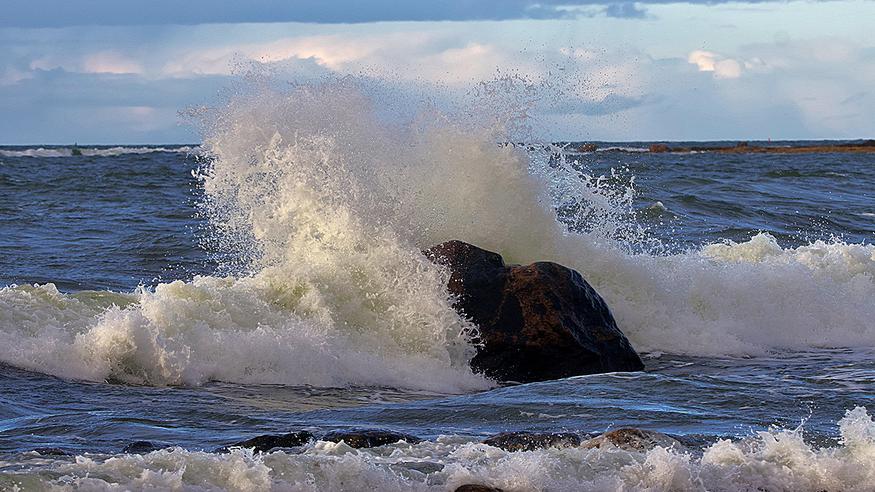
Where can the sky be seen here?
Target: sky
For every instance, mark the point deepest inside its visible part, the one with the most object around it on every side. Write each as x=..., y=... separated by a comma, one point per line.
x=121, y=71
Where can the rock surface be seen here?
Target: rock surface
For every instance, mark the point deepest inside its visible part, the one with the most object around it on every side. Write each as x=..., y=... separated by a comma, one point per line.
x=536, y=322
x=470, y=487
x=141, y=447
x=530, y=441
x=267, y=442
x=369, y=438
x=632, y=439
x=52, y=452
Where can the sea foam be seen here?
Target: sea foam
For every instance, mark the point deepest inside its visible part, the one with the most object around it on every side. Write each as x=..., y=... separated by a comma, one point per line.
x=778, y=460
x=326, y=203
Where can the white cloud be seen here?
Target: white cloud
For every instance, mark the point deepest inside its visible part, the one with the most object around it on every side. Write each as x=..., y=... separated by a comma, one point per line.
x=13, y=76
x=721, y=66
x=110, y=62
x=334, y=52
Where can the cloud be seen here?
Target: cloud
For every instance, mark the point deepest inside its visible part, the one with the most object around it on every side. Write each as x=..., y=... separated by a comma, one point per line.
x=610, y=104
x=329, y=51
x=59, y=13
x=110, y=62
x=627, y=10
x=401, y=55
x=723, y=67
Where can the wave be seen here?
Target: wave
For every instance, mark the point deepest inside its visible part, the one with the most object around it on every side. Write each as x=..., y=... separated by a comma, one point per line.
x=326, y=204
x=91, y=151
x=775, y=460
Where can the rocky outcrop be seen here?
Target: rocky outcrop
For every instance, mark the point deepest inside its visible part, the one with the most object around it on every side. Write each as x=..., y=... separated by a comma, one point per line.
x=52, y=452
x=363, y=438
x=530, y=441
x=536, y=322
x=265, y=443
x=369, y=438
x=632, y=439
x=141, y=447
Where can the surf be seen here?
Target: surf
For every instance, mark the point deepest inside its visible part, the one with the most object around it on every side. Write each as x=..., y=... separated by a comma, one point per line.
x=321, y=197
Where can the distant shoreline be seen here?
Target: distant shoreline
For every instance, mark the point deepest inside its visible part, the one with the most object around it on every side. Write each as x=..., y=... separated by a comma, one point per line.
x=867, y=146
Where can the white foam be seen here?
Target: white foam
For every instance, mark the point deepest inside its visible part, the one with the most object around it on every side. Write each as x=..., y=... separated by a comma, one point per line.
x=776, y=460
x=327, y=206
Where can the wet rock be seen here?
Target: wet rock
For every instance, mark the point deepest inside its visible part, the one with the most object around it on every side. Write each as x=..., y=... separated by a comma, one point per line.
x=588, y=147
x=659, y=148
x=267, y=442
x=537, y=322
x=529, y=441
x=470, y=487
x=631, y=439
x=52, y=452
x=369, y=438
x=141, y=447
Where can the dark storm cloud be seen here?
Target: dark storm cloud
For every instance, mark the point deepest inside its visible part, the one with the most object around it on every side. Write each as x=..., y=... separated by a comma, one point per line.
x=63, y=13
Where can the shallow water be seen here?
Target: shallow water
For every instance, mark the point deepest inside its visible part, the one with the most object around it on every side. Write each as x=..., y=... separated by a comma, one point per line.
x=766, y=341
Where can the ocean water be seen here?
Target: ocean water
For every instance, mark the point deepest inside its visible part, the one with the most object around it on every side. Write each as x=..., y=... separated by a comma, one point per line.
x=270, y=279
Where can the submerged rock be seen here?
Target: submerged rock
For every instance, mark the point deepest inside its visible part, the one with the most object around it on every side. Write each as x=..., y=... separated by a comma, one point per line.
x=369, y=438
x=537, y=322
x=267, y=442
x=52, y=452
x=141, y=447
x=470, y=487
x=530, y=441
x=632, y=439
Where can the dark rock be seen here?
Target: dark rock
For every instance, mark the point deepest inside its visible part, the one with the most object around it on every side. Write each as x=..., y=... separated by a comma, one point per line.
x=470, y=487
x=141, y=447
x=631, y=439
x=588, y=147
x=529, y=441
x=52, y=452
x=369, y=438
x=536, y=322
x=659, y=148
x=267, y=442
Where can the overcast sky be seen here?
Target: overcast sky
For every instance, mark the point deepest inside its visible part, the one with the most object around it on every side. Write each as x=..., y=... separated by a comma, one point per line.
x=116, y=71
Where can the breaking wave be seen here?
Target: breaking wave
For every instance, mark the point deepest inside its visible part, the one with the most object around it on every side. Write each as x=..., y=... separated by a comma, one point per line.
x=326, y=203
x=775, y=460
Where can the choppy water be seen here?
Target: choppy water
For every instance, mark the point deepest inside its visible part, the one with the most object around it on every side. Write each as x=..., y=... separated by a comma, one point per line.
x=747, y=280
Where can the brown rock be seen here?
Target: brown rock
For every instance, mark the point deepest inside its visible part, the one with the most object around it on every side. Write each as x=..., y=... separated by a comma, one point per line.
x=588, y=147
x=659, y=148
x=632, y=439
x=470, y=487
x=537, y=322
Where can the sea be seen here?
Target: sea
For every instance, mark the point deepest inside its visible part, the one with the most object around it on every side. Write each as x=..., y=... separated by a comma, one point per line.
x=270, y=279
